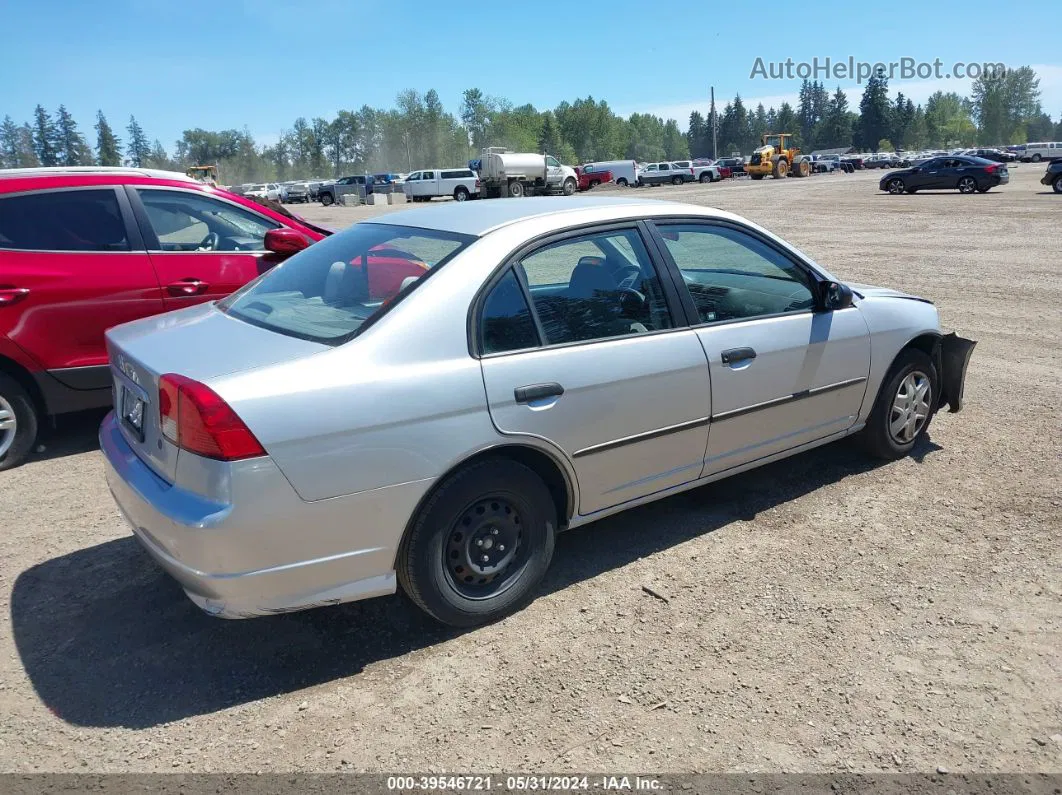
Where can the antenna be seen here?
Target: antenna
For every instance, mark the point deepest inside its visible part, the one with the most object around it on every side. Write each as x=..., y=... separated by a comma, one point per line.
x=715, y=126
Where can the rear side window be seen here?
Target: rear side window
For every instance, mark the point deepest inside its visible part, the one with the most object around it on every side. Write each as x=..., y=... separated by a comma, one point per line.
x=67, y=220
x=329, y=291
x=506, y=323
x=464, y=174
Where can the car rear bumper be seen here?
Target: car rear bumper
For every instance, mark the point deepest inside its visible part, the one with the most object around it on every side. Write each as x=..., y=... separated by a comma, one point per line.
x=266, y=551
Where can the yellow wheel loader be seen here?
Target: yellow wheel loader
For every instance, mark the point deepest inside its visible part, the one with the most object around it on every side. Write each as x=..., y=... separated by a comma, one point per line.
x=778, y=158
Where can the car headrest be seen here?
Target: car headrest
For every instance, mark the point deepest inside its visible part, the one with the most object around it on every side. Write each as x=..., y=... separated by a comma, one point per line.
x=590, y=277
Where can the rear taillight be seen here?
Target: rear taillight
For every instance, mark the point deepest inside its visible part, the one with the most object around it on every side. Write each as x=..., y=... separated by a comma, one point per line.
x=195, y=418
x=990, y=169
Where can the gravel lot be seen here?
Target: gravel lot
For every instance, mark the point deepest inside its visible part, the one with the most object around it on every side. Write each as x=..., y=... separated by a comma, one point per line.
x=826, y=613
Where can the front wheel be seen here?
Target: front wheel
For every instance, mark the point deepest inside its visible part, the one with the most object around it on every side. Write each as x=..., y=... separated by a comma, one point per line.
x=480, y=546
x=570, y=187
x=18, y=423
x=895, y=186
x=967, y=185
x=1057, y=185
x=904, y=406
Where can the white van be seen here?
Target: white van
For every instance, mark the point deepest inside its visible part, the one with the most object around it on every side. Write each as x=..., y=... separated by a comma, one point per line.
x=624, y=172
x=461, y=183
x=1043, y=151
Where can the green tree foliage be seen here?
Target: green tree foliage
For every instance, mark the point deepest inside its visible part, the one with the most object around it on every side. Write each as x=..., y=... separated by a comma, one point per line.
x=1006, y=105
x=903, y=113
x=948, y=120
x=836, y=128
x=138, y=150
x=45, y=138
x=73, y=150
x=875, y=114
x=108, y=147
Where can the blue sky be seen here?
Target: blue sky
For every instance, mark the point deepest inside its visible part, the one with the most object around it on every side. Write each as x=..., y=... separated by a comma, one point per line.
x=260, y=64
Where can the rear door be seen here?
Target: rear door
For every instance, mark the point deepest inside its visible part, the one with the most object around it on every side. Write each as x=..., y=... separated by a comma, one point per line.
x=202, y=247
x=72, y=264
x=597, y=364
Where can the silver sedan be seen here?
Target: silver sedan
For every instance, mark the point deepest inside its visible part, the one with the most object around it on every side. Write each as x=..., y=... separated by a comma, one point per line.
x=427, y=399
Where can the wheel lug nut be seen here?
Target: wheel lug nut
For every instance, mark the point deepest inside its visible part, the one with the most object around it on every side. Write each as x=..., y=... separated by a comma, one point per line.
x=485, y=558
x=479, y=542
x=494, y=531
x=501, y=547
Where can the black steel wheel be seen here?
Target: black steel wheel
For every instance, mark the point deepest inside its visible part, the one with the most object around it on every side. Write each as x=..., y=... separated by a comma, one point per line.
x=484, y=553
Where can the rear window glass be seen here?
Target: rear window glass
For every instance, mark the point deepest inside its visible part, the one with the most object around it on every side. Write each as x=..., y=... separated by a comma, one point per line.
x=329, y=291
x=65, y=220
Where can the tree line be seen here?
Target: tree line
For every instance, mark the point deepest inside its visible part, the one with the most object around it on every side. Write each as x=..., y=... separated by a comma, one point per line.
x=418, y=131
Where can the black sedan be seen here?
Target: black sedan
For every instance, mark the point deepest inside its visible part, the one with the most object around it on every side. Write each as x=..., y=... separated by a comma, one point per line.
x=1053, y=176
x=967, y=174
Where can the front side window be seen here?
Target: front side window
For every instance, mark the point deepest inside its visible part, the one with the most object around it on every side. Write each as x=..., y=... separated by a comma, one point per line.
x=552, y=161
x=732, y=275
x=68, y=220
x=185, y=221
x=329, y=291
x=506, y=323
x=595, y=287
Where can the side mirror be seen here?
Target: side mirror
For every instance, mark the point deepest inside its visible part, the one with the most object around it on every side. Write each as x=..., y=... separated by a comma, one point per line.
x=285, y=242
x=835, y=295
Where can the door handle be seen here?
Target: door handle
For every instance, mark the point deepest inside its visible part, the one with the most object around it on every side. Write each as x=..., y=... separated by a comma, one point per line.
x=525, y=394
x=12, y=295
x=735, y=355
x=187, y=287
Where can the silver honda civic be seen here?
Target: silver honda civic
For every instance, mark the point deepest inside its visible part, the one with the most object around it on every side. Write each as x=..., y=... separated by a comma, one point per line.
x=427, y=399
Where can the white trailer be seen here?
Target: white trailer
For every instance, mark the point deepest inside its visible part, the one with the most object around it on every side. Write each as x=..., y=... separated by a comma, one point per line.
x=505, y=173
x=624, y=172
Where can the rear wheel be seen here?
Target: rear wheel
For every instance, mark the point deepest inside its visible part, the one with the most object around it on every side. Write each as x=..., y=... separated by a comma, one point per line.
x=326, y=199
x=1036, y=158
x=904, y=406
x=18, y=423
x=622, y=182
x=676, y=180
x=967, y=185
x=516, y=189
x=594, y=183
x=706, y=176
x=480, y=545
x=461, y=193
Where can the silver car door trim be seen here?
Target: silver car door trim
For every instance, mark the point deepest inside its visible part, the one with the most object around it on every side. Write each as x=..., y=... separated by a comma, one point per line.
x=769, y=404
x=642, y=437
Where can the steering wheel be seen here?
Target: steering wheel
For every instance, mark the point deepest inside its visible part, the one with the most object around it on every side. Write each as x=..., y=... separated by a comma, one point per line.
x=627, y=276
x=632, y=302
x=209, y=243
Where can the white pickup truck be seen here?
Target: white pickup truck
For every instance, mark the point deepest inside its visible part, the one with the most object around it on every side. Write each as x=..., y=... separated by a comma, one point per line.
x=702, y=172
x=424, y=185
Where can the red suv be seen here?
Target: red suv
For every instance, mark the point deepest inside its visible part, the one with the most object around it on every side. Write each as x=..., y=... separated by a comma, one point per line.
x=82, y=250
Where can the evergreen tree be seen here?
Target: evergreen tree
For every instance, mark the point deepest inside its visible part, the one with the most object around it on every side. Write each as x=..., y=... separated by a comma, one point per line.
x=45, y=138
x=27, y=147
x=9, y=144
x=73, y=151
x=874, y=112
x=836, y=130
x=108, y=147
x=699, y=136
x=675, y=145
x=138, y=149
x=903, y=112
x=786, y=120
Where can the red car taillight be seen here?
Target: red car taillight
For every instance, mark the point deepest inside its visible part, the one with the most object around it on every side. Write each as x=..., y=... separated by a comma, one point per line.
x=195, y=418
x=990, y=169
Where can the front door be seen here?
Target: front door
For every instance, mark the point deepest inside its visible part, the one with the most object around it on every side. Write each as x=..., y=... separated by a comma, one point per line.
x=71, y=266
x=202, y=247
x=596, y=366
x=783, y=373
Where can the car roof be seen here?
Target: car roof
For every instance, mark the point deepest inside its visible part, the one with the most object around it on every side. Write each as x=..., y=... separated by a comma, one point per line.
x=61, y=171
x=478, y=218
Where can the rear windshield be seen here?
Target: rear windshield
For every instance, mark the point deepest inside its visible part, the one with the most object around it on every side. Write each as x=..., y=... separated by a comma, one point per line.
x=328, y=292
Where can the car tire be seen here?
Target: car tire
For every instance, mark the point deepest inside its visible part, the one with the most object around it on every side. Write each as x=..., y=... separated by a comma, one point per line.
x=622, y=182
x=326, y=199
x=880, y=437
x=1036, y=158
x=461, y=193
x=895, y=186
x=967, y=185
x=1056, y=186
x=570, y=187
x=676, y=181
x=439, y=565
x=516, y=189
x=706, y=177
x=18, y=423
x=594, y=183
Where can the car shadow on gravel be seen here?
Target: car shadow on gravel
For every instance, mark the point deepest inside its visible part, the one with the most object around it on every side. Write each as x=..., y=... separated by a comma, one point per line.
x=72, y=434
x=108, y=639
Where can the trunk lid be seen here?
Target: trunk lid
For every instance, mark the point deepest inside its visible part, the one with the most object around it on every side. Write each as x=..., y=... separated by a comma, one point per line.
x=199, y=342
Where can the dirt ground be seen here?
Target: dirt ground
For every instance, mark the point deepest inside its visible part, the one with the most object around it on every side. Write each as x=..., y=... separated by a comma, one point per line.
x=825, y=613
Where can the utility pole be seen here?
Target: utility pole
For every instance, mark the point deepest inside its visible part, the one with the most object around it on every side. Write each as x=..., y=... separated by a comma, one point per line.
x=715, y=146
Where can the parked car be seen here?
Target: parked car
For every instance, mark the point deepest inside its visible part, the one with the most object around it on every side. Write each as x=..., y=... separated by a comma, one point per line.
x=82, y=250
x=591, y=179
x=857, y=161
x=460, y=183
x=967, y=174
x=329, y=193
x=298, y=192
x=270, y=190
x=993, y=154
x=661, y=173
x=241, y=478
x=735, y=164
x=1053, y=176
x=624, y=172
x=1035, y=152
x=825, y=164
x=702, y=171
